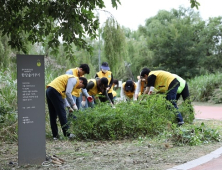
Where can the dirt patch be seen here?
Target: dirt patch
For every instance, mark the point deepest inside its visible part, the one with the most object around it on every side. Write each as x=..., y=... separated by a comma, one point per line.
x=142, y=153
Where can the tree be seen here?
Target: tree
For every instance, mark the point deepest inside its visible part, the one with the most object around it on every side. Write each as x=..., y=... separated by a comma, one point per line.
x=212, y=38
x=33, y=20
x=68, y=20
x=194, y=3
x=175, y=38
x=114, y=46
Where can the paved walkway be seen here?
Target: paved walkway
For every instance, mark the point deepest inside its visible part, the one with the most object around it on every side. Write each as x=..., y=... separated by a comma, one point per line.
x=208, y=112
x=213, y=160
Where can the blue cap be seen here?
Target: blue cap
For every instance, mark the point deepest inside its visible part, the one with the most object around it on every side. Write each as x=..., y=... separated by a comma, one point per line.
x=105, y=66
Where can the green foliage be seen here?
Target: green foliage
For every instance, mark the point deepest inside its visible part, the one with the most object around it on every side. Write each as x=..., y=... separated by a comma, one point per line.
x=187, y=111
x=193, y=135
x=216, y=96
x=212, y=36
x=139, y=56
x=202, y=87
x=51, y=72
x=174, y=39
x=114, y=46
x=8, y=105
x=8, y=89
x=194, y=3
x=7, y=55
x=8, y=123
x=128, y=120
x=69, y=20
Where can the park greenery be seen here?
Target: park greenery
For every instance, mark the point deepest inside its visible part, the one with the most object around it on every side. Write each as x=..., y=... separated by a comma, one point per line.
x=69, y=20
x=178, y=41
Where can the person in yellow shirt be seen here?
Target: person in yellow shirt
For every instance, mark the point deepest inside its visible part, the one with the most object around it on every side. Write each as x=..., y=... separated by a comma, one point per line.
x=57, y=92
x=163, y=82
x=104, y=72
x=78, y=72
x=128, y=90
x=94, y=87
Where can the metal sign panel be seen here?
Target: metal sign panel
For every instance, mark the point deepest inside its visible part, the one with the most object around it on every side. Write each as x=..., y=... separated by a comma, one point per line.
x=31, y=109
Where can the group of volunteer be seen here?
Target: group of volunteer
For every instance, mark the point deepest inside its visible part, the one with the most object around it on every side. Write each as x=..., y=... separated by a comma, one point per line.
x=73, y=91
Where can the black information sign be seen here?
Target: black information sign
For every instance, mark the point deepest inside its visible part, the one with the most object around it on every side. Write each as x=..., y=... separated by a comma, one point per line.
x=31, y=109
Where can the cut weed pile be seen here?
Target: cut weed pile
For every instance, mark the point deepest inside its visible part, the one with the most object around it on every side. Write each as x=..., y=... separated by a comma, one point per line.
x=141, y=153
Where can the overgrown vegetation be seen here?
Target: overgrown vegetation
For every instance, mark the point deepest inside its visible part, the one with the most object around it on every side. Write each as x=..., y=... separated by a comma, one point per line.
x=203, y=88
x=166, y=41
x=129, y=120
x=193, y=135
x=148, y=118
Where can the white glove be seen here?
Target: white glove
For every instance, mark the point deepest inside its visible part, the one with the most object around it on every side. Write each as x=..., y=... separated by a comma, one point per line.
x=75, y=107
x=113, y=106
x=134, y=99
x=70, y=110
x=83, y=103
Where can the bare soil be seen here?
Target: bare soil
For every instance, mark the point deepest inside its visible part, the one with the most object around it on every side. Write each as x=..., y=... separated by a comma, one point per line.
x=141, y=153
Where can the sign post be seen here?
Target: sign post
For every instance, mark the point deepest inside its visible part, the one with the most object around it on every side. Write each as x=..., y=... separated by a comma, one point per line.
x=31, y=109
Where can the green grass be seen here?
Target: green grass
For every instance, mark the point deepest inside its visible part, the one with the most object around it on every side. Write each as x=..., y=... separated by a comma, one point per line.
x=202, y=87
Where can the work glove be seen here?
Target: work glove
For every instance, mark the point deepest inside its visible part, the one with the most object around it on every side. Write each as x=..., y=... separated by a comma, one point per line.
x=112, y=105
x=83, y=103
x=90, y=99
x=74, y=107
x=70, y=110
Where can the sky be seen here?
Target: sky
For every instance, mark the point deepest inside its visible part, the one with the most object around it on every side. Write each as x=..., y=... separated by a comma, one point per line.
x=132, y=13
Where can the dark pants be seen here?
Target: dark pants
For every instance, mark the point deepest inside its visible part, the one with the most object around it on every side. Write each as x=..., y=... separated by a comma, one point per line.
x=185, y=93
x=56, y=108
x=171, y=96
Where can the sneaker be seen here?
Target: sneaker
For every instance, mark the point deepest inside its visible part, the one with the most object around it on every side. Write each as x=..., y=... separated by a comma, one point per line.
x=71, y=136
x=180, y=123
x=54, y=138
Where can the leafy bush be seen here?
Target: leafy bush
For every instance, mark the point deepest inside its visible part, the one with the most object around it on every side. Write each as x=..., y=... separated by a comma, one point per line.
x=193, y=135
x=8, y=124
x=202, y=87
x=128, y=120
x=216, y=96
x=8, y=89
x=187, y=111
x=8, y=106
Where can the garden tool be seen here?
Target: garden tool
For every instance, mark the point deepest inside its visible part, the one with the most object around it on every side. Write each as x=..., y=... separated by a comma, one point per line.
x=60, y=159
